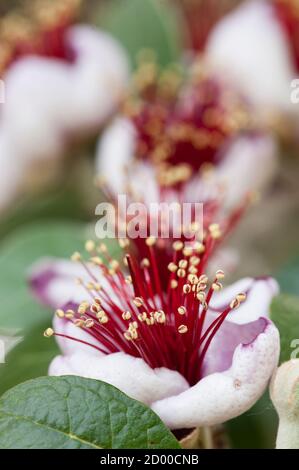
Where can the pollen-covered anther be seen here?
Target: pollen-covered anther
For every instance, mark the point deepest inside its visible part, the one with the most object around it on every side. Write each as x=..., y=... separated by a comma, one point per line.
x=102, y=248
x=123, y=242
x=142, y=316
x=178, y=245
x=145, y=263
x=181, y=273
x=203, y=279
x=90, y=246
x=48, y=333
x=187, y=251
x=173, y=284
x=114, y=264
x=83, y=308
x=126, y=315
x=138, y=301
x=201, y=296
x=103, y=319
x=160, y=316
x=89, y=323
x=128, y=280
x=194, y=260
x=220, y=274
x=215, y=231
x=182, y=329
x=241, y=297
x=182, y=310
x=76, y=256
x=95, y=308
x=183, y=264
x=216, y=286
x=199, y=247
x=59, y=313
x=69, y=314
x=172, y=267
x=186, y=288
x=79, y=322
x=193, y=279
x=96, y=260
x=150, y=241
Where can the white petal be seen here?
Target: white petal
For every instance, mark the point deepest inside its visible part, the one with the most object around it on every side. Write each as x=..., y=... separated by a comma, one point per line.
x=53, y=281
x=131, y=375
x=69, y=346
x=250, y=45
x=260, y=292
x=115, y=151
x=249, y=165
x=223, y=396
x=100, y=75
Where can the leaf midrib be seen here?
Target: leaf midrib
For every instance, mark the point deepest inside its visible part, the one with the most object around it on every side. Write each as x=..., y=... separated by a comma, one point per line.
x=71, y=436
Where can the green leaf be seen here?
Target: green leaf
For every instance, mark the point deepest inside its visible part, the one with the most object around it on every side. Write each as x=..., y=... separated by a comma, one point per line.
x=140, y=24
x=288, y=277
x=29, y=359
x=285, y=315
x=18, y=308
x=76, y=413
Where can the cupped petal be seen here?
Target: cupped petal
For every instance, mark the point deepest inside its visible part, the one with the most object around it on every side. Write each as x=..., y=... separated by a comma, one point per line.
x=259, y=291
x=223, y=396
x=131, y=375
x=250, y=46
x=250, y=164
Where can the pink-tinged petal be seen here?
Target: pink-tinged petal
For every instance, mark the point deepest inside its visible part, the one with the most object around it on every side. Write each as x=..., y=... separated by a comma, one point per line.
x=223, y=396
x=259, y=291
x=250, y=164
x=53, y=282
x=250, y=46
x=131, y=375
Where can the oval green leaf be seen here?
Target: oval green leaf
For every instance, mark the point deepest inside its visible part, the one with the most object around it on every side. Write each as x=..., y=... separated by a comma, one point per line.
x=76, y=413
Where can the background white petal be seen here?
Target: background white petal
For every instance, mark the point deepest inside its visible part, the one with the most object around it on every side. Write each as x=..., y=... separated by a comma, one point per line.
x=251, y=47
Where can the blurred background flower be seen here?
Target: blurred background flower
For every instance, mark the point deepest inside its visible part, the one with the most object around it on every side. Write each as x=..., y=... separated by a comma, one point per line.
x=210, y=108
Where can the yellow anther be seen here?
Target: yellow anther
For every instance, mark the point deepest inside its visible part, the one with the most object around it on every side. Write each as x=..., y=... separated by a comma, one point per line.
x=89, y=323
x=48, y=333
x=126, y=315
x=96, y=260
x=173, y=284
x=90, y=246
x=76, y=256
x=220, y=274
x=178, y=245
x=216, y=286
x=145, y=263
x=138, y=301
x=59, y=313
x=182, y=329
x=241, y=297
x=183, y=264
x=150, y=241
x=181, y=272
x=186, y=288
x=182, y=310
x=172, y=267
